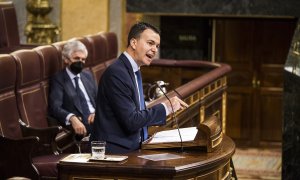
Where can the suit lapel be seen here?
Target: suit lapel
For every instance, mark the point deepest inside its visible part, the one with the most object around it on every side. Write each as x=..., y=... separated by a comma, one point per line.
x=88, y=88
x=128, y=66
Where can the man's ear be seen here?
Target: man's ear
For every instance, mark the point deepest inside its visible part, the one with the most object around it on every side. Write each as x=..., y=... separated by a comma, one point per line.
x=133, y=43
x=65, y=60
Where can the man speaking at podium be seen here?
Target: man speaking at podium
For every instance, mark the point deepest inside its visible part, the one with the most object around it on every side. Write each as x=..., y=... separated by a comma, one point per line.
x=121, y=115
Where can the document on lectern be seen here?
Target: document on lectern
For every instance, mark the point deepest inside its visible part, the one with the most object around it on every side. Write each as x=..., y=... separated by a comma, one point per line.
x=171, y=139
x=168, y=136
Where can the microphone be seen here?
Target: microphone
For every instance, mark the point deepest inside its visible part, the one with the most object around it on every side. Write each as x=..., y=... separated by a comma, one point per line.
x=173, y=113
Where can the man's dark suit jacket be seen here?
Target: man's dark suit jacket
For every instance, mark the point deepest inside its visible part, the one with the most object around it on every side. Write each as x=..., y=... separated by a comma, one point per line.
x=63, y=98
x=118, y=119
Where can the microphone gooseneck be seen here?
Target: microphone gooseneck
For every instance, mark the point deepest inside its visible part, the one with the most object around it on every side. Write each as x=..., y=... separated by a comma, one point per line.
x=178, y=93
x=173, y=113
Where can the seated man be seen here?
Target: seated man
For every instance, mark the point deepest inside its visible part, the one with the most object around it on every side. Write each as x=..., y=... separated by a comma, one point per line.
x=73, y=91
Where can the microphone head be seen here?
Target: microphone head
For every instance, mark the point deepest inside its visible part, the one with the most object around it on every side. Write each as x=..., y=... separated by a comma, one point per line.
x=161, y=88
x=161, y=83
x=158, y=83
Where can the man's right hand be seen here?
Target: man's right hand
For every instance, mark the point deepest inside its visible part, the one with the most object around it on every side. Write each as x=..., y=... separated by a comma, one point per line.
x=176, y=104
x=77, y=125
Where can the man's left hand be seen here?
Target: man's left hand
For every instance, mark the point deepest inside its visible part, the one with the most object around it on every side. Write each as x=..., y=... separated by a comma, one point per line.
x=91, y=118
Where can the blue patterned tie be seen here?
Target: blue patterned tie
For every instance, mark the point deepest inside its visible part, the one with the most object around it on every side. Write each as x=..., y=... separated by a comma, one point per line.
x=84, y=106
x=144, y=132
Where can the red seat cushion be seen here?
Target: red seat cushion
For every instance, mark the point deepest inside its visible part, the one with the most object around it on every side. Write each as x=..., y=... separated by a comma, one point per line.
x=47, y=165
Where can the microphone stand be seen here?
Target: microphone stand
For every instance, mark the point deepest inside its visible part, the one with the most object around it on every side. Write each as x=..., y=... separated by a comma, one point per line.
x=173, y=113
x=178, y=93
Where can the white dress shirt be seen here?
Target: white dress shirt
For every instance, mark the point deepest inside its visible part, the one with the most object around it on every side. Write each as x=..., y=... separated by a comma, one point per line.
x=82, y=88
x=135, y=68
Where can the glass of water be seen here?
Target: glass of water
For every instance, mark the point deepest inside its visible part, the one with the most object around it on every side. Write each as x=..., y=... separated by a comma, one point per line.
x=98, y=149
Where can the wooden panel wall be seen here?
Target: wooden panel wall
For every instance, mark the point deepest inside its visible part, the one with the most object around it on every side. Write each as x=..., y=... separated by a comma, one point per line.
x=256, y=49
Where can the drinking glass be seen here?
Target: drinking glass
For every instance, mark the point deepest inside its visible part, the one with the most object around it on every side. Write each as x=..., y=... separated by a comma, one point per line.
x=98, y=149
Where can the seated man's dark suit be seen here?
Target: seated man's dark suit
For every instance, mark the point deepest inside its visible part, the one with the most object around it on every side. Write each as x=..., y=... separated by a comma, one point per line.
x=118, y=118
x=63, y=98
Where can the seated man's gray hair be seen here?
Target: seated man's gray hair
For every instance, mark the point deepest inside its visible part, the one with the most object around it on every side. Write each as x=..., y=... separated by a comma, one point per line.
x=73, y=46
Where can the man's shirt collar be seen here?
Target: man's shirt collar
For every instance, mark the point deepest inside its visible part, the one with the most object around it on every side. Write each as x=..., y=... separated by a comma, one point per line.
x=71, y=75
x=132, y=62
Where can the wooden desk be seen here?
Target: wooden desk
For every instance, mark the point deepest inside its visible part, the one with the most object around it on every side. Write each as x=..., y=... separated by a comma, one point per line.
x=194, y=165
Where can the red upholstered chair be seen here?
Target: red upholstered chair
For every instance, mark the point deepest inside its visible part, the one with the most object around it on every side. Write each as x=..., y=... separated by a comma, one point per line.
x=59, y=46
x=99, y=45
x=89, y=60
x=16, y=157
x=9, y=33
x=51, y=63
x=31, y=101
x=8, y=105
x=112, y=47
x=100, y=49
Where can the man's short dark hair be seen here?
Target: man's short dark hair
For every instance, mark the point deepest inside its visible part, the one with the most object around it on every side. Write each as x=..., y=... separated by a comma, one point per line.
x=138, y=28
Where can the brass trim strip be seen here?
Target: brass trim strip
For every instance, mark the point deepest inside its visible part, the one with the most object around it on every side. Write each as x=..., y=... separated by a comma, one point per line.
x=216, y=141
x=212, y=172
x=212, y=87
x=202, y=114
x=213, y=44
x=216, y=113
x=228, y=171
x=224, y=107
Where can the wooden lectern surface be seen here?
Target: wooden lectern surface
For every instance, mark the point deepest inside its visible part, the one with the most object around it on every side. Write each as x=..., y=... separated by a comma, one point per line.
x=193, y=164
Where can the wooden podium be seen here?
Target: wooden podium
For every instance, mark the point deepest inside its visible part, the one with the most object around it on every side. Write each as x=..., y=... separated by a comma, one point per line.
x=206, y=97
x=191, y=164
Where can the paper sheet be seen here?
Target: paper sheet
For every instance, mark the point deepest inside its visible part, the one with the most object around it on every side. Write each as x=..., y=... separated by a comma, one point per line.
x=84, y=157
x=161, y=157
x=187, y=134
